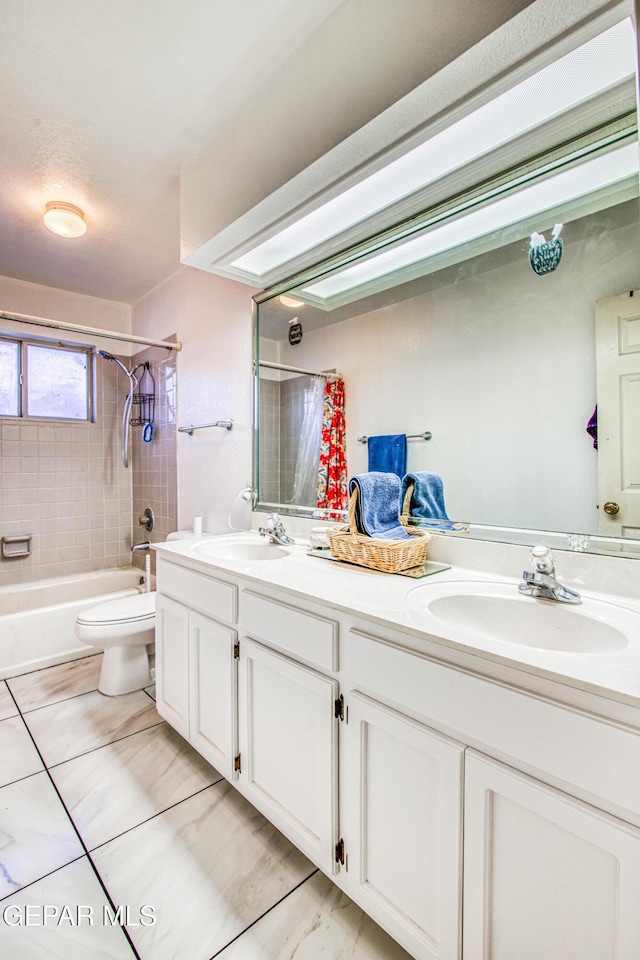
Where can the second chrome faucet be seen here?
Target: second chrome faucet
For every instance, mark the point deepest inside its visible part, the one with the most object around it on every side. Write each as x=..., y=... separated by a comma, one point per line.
x=275, y=530
x=541, y=581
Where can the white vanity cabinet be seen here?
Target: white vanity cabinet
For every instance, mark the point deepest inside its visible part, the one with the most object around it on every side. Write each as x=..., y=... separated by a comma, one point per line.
x=288, y=743
x=288, y=718
x=545, y=875
x=474, y=812
x=172, y=663
x=196, y=662
x=403, y=826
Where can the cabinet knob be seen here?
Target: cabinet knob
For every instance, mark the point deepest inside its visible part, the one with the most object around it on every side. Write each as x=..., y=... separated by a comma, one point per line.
x=611, y=508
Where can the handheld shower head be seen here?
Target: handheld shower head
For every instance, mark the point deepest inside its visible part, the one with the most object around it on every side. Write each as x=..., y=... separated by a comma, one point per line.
x=133, y=383
x=109, y=356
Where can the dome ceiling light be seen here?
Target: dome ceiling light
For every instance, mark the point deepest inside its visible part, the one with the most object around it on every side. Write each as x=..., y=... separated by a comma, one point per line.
x=291, y=302
x=64, y=219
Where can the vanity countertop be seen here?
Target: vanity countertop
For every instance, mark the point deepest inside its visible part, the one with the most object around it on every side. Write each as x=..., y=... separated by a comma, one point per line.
x=401, y=603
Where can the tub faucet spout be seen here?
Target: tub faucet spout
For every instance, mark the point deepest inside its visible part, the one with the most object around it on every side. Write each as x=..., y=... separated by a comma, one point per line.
x=141, y=546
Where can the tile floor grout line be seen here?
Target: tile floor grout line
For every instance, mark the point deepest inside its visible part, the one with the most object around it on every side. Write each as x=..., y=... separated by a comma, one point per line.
x=257, y=920
x=161, y=722
x=40, y=670
x=102, y=883
x=63, y=663
x=153, y=816
x=93, y=749
x=20, y=779
x=126, y=736
x=79, y=836
x=54, y=703
x=25, y=886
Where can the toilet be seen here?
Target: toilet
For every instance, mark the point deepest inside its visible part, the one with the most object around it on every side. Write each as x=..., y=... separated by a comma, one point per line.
x=122, y=628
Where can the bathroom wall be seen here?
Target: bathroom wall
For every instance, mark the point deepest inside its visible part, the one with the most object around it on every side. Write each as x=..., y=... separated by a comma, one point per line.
x=212, y=317
x=63, y=483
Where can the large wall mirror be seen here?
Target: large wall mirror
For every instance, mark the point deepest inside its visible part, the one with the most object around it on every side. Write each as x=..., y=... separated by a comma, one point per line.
x=442, y=329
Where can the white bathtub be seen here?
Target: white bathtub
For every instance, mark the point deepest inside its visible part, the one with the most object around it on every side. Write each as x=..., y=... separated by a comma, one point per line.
x=37, y=619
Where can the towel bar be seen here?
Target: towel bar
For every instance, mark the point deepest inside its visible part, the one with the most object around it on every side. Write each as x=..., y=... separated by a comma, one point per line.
x=227, y=424
x=410, y=436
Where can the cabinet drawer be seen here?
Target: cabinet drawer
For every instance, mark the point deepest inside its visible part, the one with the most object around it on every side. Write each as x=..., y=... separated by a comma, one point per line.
x=216, y=598
x=585, y=755
x=304, y=635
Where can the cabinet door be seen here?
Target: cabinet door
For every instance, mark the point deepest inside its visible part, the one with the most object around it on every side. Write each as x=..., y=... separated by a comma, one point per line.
x=545, y=876
x=213, y=687
x=288, y=746
x=402, y=825
x=172, y=663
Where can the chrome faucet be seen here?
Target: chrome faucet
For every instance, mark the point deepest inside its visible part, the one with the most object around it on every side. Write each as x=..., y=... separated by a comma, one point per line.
x=542, y=583
x=275, y=530
x=141, y=546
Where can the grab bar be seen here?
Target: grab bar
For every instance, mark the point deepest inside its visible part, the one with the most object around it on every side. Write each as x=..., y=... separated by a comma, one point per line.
x=227, y=424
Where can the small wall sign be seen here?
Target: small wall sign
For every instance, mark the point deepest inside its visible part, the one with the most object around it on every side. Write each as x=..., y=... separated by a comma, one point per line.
x=295, y=333
x=545, y=255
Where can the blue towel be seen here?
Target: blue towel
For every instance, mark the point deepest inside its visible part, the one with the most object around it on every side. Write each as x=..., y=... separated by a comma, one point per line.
x=378, y=505
x=388, y=454
x=427, y=499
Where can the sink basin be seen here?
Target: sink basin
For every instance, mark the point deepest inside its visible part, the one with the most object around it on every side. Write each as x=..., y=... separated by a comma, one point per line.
x=496, y=611
x=240, y=551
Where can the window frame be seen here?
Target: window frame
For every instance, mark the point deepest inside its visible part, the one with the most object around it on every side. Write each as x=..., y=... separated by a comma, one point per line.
x=23, y=344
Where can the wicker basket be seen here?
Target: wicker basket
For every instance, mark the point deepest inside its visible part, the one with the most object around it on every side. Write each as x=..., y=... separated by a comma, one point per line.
x=405, y=516
x=406, y=506
x=388, y=556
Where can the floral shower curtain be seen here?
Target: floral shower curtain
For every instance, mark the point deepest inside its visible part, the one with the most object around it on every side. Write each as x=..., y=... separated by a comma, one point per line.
x=332, y=473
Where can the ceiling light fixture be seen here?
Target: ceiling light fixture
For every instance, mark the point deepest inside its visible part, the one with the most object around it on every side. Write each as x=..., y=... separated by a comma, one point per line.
x=64, y=219
x=291, y=302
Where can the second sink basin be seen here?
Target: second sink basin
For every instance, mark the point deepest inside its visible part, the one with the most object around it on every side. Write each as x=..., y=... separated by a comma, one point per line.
x=240, y=551
x=496, y=611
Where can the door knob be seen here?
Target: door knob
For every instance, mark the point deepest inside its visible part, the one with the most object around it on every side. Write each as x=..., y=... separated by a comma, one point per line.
x=611, y=508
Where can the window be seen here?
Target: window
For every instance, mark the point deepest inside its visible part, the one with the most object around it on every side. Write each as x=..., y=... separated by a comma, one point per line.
x=43, y=379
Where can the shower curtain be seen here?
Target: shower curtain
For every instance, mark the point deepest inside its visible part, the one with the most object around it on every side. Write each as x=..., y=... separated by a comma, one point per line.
x=305, y=480
x=332, y=475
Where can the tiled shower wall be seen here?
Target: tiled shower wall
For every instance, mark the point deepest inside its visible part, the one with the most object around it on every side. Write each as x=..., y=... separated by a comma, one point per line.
x=154, y=465
x=64, y=484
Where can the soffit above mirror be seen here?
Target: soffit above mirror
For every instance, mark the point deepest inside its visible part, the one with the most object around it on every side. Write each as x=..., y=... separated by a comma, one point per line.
x=529, y=62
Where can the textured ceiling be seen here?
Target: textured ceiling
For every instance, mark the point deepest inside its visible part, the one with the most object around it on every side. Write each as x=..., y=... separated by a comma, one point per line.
x=101, y=104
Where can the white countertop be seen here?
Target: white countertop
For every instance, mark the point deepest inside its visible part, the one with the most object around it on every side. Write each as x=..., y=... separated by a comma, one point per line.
x=399, y=602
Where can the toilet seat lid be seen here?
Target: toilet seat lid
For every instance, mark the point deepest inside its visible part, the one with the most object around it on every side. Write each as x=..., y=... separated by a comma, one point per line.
x=131, y=609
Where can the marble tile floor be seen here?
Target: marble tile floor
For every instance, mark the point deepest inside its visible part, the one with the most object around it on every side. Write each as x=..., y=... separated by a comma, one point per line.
x=118, y=841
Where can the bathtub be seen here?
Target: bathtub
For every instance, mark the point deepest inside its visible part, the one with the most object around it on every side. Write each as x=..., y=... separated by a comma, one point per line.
x=37, y=619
